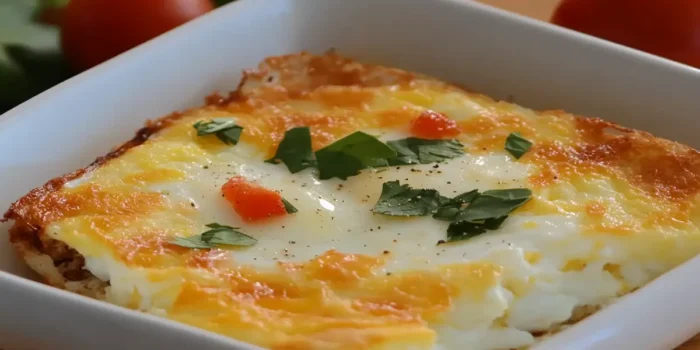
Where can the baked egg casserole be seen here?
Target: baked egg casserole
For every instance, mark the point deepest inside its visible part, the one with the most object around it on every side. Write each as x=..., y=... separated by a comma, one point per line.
x=331, y=204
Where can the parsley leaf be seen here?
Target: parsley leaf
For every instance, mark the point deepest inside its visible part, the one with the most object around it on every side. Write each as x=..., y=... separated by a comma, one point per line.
x=422, y=151
x=452, y=207
x=463, y=230
x=402, y=200
x=225, y=130
x=495, y=204
x=194, y=242
x=289, y=207
x=295, y=150
x=517, y=145
x=218, y=235
x=347, y=156
x=494, y=223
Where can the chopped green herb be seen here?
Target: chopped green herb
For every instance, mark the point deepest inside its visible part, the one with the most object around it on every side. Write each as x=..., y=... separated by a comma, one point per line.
x=466, y=197
x=347, y=156
x=495, y=223
x=217, y=236
x=421, y=151
x=194, y=242
x=402, y=200
x=494, y=204
x=295, y=150
x=289, y=207
x=452, y=207
x=225, y=130
x=517, y=145
x=463, y=230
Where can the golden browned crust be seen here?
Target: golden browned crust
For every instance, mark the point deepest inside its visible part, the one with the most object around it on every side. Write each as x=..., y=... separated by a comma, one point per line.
x=60, y=265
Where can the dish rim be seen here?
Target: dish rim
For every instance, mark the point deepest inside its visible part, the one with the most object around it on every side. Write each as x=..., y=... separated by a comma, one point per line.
x=40, y=101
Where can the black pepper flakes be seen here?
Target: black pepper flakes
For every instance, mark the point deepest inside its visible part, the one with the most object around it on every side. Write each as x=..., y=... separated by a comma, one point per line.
x=440, y=242
x=386, y=252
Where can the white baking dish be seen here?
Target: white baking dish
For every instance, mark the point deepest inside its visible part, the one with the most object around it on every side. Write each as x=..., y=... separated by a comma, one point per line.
x=491, y=51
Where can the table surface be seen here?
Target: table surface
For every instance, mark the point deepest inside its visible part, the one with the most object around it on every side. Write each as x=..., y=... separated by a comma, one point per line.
x=542, y=9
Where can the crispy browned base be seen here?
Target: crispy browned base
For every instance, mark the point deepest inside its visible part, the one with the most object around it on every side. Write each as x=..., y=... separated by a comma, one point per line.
x=60, y=265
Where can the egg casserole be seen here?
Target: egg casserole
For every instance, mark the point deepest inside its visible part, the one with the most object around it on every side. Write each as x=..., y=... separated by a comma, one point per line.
x=330, y=204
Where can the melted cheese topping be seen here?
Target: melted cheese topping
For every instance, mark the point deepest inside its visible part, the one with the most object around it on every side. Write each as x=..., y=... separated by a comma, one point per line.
x=613, y=208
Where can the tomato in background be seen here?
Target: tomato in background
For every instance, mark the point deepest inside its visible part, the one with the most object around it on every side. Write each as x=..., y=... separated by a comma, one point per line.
x=668, y=28
x=94, y=31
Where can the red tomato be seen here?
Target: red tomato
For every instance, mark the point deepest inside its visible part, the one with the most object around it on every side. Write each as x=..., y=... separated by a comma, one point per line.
x=94, y=31
x=252, y=202
x=433, y=125
x=668, y=28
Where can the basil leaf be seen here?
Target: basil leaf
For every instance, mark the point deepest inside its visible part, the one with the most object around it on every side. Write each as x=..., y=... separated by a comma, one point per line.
x=215, y=228
x=218, y=235
x=289, y=207
x=517, y=145
x=295, y=150
x=466, y=197
x=194, y=242
x=463, y=230
x=402, y=200
x=347, y=156
x=493, y=224
x=494, y=204
x=421, y=151
x=454, y=206
x=225, y=130
x=233, y=237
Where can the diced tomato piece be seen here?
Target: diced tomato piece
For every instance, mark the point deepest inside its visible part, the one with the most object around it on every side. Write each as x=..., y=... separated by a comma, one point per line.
x=433, y=125
x=252, y=202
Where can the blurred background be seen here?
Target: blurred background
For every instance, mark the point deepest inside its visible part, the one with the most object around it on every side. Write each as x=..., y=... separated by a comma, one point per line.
x=43, y=42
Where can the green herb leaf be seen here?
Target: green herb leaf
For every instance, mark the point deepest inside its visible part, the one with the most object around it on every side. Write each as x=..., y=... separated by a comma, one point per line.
x=463, y=230
x=225, y=130
x=289, y=207
x=402, y=200
x=295, y=150
x=495, y=204
x=493, y=224
x=217, y=236
x=452, y=207
x=421, y=151
x=347, y=156
x=194, y=242
x=215, y=228
x=517, y=145
x=466, y=197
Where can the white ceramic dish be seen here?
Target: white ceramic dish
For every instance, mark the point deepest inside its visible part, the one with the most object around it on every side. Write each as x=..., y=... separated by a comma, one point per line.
x=488, y=50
